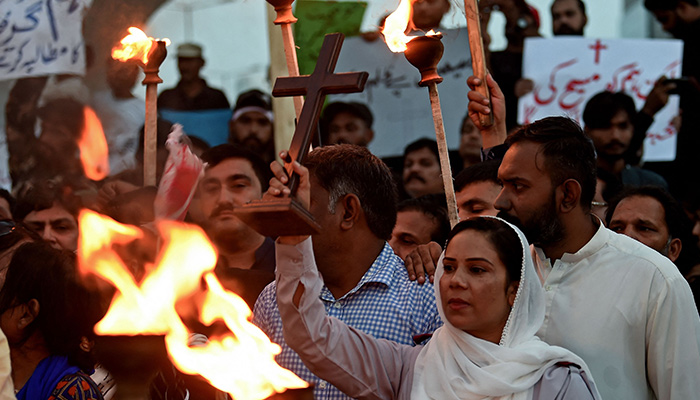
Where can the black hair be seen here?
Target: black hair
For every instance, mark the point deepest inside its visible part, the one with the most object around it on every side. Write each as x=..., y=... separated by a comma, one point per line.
x=349, y=169
x=486, y=171
x=38, y=271
x=44, y=194
x=504, y=239
x=580, y=3
x=199, y=142
x=65, y=111
x=667, y=5
x=435, y=207
x=429, y=144
x=217, y=154
x=613, y=185
x=602, y=108
x=253, y=98
x=163, y=129
x=569, y=153
x=357, y=109
x=9, y=198
x=11, y=235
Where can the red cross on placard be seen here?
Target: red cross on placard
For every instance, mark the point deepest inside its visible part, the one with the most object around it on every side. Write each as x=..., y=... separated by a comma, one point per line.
x=597, y=47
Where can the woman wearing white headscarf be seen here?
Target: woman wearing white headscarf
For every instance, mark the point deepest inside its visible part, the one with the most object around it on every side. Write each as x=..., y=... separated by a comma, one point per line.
x=492, y=303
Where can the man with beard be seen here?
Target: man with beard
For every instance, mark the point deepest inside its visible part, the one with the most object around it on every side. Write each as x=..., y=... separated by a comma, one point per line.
x=568, y=17
x=421, y=168
x=608, y=117
x=623, y=307
x=234, y=176
x=347, y=123
x=251, y=124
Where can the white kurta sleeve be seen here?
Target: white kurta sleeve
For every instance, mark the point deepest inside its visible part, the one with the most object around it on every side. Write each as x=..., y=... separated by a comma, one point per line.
x=358, y=364
x=673, y=337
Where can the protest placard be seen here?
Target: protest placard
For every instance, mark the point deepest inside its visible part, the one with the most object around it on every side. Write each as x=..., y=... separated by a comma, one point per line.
x=400, y=107
x=569, y=71
x=41, y=37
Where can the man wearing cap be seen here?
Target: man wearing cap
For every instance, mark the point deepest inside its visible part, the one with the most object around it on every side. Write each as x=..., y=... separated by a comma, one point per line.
x=349, y=123
x=251, y=124
x=192, y=92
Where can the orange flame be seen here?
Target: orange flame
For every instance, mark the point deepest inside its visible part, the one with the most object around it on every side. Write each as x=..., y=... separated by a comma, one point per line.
x=397, y=24
x=135, y=46
x=240, y=363
x=395, y=27
x=94, y=153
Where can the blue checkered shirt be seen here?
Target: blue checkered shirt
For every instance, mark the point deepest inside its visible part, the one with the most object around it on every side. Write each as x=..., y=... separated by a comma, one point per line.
x=384, y=304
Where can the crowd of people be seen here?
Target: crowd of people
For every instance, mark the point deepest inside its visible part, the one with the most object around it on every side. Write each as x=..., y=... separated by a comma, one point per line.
x=574, y=272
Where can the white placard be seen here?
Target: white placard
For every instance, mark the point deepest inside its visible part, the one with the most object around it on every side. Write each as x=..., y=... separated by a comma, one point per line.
x=400, y=107
x=41, y=37
x=569, y=71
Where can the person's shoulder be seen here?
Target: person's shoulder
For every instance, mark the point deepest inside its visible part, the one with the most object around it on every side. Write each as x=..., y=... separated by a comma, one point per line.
x=563, y=381
x=268, y=297
x=168, y=92
x=636, y=251
x=636, y=255
x=401, y=282
x=76, y=386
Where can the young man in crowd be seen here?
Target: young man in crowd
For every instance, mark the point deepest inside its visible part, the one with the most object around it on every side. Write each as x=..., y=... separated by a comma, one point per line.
x=233, y=177
x=568, y=17
x=349, y=123
x=420, y=221
x=421, y=169
x=251, y=124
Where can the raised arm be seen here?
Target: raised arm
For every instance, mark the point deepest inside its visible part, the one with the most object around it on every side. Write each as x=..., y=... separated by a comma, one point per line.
x=356, y=363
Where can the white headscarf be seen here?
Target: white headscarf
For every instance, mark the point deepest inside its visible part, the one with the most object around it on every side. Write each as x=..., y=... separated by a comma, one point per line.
x=457, y=365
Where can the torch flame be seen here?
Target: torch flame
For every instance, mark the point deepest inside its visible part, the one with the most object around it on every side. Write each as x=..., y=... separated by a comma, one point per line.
x=240, y=363
x=135, y=46
x=94, y=153
x=397, y=24
x=395, y=27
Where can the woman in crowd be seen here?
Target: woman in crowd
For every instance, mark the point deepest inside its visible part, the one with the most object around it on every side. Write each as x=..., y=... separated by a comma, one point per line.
x=492, y=303
x=44, y=314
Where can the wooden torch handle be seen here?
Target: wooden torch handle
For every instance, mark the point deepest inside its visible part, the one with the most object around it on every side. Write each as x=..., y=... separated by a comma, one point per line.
x=476, y=46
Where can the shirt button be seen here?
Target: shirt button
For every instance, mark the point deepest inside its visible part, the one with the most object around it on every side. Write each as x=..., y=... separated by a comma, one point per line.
x=548, y=288
x=322, y=385
x=337, y=305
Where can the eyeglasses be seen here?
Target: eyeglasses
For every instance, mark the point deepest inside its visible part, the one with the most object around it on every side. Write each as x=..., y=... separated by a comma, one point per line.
x=7, y=226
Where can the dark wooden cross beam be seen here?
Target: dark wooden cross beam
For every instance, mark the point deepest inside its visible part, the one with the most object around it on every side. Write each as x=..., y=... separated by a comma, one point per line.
x=279, y=217
x=315, y=87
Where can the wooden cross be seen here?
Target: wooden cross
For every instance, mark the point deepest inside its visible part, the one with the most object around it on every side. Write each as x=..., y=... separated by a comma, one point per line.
x=315, y=87
x=284, y=216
